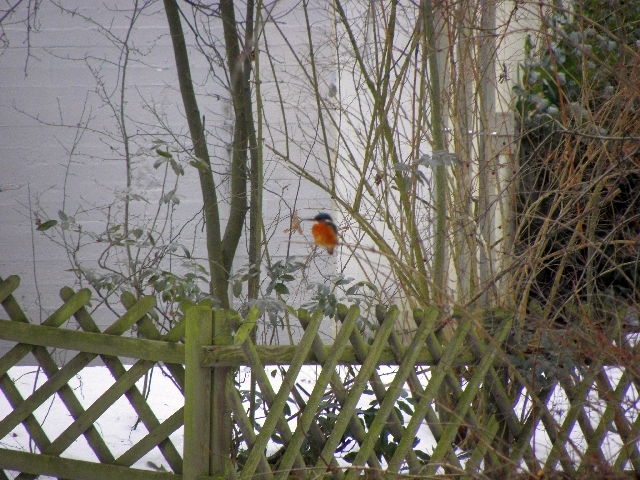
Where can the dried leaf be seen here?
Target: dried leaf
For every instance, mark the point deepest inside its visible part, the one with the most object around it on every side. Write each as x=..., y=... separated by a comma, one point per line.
x=296, y=224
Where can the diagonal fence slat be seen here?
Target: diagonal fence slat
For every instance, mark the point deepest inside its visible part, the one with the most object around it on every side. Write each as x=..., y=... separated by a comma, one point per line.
x=611, y=415
x=504, y=404
x=522, y=443
x=415, y=387
x=281, y=397
x=148, y=330
x=8, y=286
x=452, y=382
x=624, y=455
x=95, y=411
x=393, y=391
x=58, y=378
x=21, y=350
x=326, y=374
x=359, y=384
x=487, y=434
x=135, y=398
x=46, y=362
x=268, y=395
x=153, y=439
x=30, y=423
x=466, y=399
x=246, y=428
x=619, y=419
x=438, y=375
x=339, y=390
x=577, y=396
x=377, y=386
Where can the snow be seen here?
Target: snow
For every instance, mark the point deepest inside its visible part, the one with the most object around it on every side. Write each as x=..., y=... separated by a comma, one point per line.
x=118, y=426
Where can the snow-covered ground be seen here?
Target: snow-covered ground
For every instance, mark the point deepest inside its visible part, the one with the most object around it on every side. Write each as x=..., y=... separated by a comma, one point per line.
x=118, y=425
x=120, y=428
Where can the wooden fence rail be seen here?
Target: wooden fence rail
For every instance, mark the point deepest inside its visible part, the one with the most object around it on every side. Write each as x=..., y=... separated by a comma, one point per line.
x=469, y=407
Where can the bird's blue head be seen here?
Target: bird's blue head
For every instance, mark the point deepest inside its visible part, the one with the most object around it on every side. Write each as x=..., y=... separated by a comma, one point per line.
x=323, y=217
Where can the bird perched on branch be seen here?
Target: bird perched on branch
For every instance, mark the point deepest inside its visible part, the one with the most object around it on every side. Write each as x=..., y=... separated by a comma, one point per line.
x=324, y=231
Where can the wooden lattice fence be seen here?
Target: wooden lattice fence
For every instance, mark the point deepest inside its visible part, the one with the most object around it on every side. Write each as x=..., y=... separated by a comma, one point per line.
x=471, y=397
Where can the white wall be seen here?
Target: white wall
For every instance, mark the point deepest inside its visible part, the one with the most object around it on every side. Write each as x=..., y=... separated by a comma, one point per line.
x=61, y=149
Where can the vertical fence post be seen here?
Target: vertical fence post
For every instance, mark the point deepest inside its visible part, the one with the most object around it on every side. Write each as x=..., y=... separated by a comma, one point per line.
x=221, y=426
x=197, y=394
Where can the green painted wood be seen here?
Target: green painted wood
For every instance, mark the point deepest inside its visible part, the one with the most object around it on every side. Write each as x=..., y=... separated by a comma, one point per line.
x=577, y=397
x=498, y=393
x=244, y=330
x=57, y=382
x=148, y=330
x=620, y=462
x=233, y=356
x=612, y=397
x=266, y=391
x=415, y=387
x=60, y=316
x=91, y=414
x=8, y=286
x=221, y=425
x=308, y=414
x=30, y=423
x=197, y=401
x=620, y=420
x=487, y=434
x=281, y=398
x=246, y=428
x=39, y=464
x=359, y=384
x=500, y=398
x=394, y=422
x=80, y=299
x=152, y=439
x=355, y=425
x=438, y=376
x=443, y=448
x=66, y=394
x=94, y=343
x=522, y=443
x=453, y=384
x=393, y=391
x=317, y=439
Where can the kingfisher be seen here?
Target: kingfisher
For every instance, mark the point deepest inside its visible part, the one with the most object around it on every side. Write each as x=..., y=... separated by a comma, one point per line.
x=324, y=231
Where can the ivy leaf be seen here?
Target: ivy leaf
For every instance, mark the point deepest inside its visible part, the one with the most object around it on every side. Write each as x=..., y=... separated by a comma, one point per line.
x=177, y=168
x=199, y=164
x=405, y=408
x=237, y=289
x=159, y=162
x=47, y=225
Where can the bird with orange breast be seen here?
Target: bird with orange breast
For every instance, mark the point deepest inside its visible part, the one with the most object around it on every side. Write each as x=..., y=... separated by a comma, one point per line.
x=324, y=231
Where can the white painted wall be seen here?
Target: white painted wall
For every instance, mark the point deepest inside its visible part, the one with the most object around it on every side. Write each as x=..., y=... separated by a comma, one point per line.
x=60, y=147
